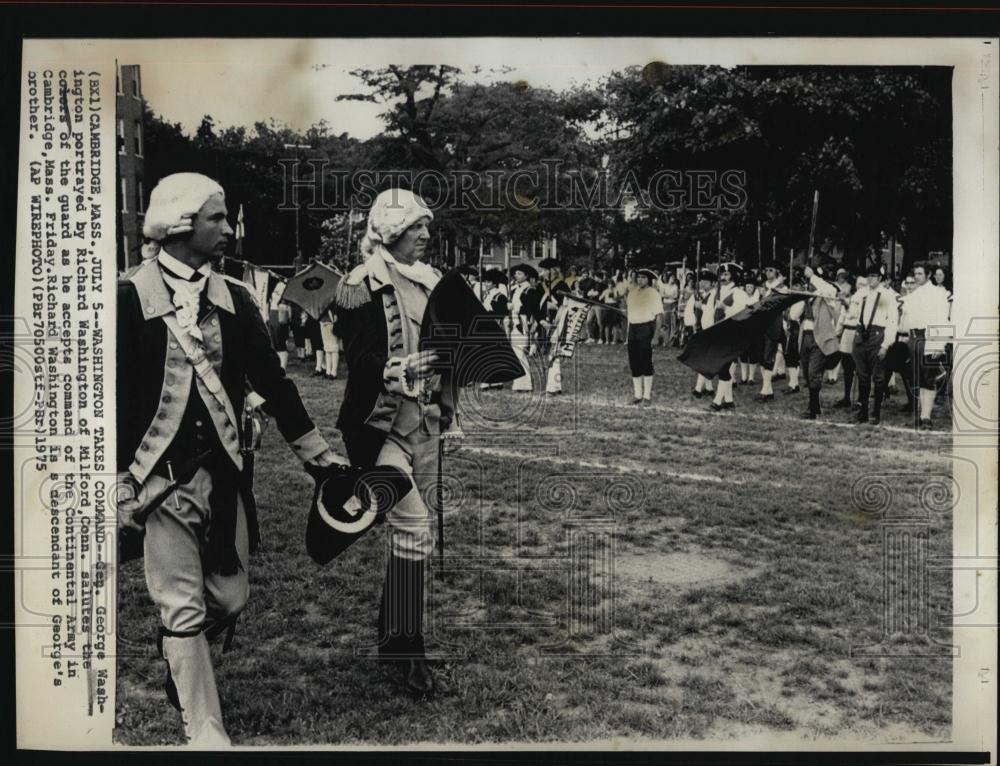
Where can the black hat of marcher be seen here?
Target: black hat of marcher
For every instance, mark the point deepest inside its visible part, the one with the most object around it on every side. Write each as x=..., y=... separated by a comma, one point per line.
x=347, y=502
x=734, y=271
x=708, y=275
x=826, y=269
x=495, y=276
x=468, y=270
x=527, y=269
x=471, y=345
x=873, y=269
x=549, y=263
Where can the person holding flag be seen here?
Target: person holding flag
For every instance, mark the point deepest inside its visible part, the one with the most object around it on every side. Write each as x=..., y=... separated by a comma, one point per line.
x=774, y=335
x=644, y=308
x=522, y=313
x=495, y=301
x=694, y=312
x=847, y=325
x=817, y=318
x=554, y=292
x=725, y=301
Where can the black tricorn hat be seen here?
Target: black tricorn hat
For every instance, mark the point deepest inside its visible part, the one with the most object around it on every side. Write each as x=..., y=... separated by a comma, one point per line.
x=708, y=275
x=471, y=345
x=527, y=268
x=347, y=502
x=549, y=263
x=495, y=276
x=873, y=269
x=468, y=270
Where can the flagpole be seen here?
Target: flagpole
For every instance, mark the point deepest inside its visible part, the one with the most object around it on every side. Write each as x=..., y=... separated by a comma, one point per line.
x=479, y=276
x=439, y=502
x=760, y=253
x=350, y=235
x=812, y=227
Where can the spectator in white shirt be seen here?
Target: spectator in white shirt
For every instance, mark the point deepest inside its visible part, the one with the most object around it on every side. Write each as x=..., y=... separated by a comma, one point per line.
x=925, y=308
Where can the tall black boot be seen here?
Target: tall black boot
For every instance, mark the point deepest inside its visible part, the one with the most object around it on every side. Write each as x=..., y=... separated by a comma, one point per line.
x=848, y=364
x=911, y=400
x=400, y=624
x=877, y=406
x=814, y=401
x=864, y=395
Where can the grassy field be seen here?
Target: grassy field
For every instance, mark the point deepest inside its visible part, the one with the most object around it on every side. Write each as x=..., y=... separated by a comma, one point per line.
x=612, y=571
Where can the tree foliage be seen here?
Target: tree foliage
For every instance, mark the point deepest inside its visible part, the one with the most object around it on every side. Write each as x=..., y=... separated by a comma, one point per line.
x=875, y=142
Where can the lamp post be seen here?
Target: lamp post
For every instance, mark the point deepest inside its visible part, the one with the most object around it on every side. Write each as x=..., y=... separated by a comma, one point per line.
x=298, y=247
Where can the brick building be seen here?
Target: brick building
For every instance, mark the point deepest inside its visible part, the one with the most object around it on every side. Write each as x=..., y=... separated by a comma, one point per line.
x=130, y=197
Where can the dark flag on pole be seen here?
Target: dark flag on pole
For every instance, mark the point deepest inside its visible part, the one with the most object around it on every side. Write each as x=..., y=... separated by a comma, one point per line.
x=312, y=289
x=710, y=350
x=471, y=345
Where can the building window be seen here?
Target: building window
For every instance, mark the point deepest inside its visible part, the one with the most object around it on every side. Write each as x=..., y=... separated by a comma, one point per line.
x=118, y=79
x=124, y=196
x=121, y=136
x=135, y=81
x=138, y=138
x=125, y=248
x=138, y=198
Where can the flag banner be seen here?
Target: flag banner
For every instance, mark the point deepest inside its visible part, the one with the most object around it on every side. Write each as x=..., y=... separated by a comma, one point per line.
x=569, y=322
x=312, y=289
x=260, y=285
x=710, y=350
x=471, y=345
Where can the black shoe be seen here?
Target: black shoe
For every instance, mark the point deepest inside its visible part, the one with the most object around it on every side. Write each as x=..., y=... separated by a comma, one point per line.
x=637, y=401
x=861, y=416
x=716, y=407
x=794, y=390
x=697, y=394
x=318, y=373
x=729, y=405
x=842, y=404
x=764, y=398
x=418, y=680
x=925, y=424
x=809, y=415
x=876, y=419
x=400, y=620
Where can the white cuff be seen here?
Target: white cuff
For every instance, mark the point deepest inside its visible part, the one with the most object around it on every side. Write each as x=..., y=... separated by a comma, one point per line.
x=394, y=375
x=309, y=445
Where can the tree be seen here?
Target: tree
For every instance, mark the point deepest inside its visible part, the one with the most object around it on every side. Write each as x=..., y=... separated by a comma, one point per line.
x=874, y=141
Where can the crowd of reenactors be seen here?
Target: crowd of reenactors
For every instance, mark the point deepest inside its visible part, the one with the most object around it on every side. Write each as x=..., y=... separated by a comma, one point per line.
x=198, y=356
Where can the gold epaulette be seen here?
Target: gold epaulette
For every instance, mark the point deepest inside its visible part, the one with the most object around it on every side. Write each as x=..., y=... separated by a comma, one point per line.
x=352, y=291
